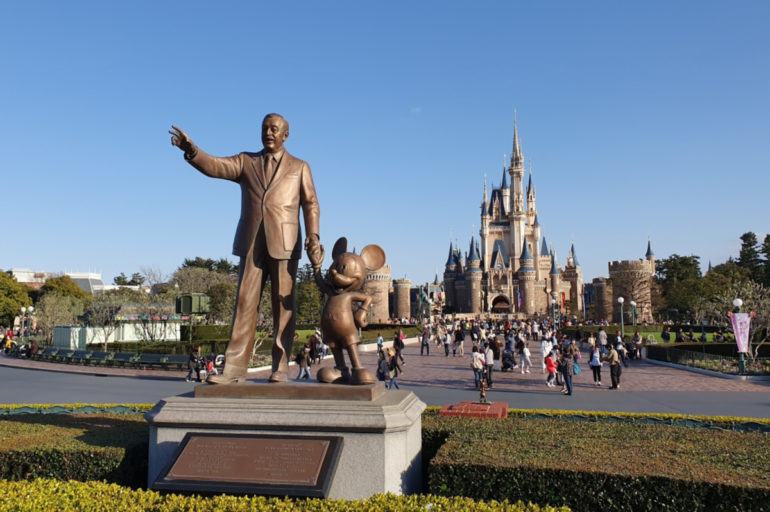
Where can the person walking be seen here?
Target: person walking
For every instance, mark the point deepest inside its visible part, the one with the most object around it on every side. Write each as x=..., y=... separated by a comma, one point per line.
x=613, y=359
x=566, y=367
x=394, y=368
x=302, y=359
x=380, y=343
x=477, y=365
x=193, y=366
x=398, y=344
x=425, y=341
x=383, y=371
x=447, y=341
x=603, y=340
x=526, y=361
x=596, y=365
x=489, y=361
x=550, y=365
x=457, y=348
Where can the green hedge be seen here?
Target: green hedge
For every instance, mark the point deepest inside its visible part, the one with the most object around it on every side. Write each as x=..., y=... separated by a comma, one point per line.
x=111, y=447
x=45, y=494
x=597, y=465
x=718, y=349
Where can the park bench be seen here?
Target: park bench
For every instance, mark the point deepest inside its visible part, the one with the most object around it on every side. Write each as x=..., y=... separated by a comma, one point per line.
x=63, y=356
x=145, y=361
x=79, y=356
x=99, y=358
x=123, y=358
x=177, y=360
x=46, y=354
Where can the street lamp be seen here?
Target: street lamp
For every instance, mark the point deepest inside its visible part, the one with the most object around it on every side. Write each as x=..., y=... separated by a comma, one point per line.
x=633, y=312
x=741, y=356
x=621, y=300
x=553, y=312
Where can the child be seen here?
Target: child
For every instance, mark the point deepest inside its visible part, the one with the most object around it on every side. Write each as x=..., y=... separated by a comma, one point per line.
x=550, y=366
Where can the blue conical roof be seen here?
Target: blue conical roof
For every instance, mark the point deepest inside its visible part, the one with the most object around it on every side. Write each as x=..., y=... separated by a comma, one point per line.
x=543, y=248
x=450, y=258
x=473, y=253
x=554, y=269
x=505, y=179
x=574, y=256
x=649, y=254
x=525, y=254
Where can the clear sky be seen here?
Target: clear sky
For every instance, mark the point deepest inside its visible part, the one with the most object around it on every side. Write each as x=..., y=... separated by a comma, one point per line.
x=643, y=119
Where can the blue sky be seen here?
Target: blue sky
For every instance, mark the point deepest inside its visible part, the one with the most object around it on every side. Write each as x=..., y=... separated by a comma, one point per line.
x=640, y=120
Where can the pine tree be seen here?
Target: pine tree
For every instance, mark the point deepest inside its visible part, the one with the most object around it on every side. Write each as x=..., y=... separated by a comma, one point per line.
x=749, y=258
x=766, y=254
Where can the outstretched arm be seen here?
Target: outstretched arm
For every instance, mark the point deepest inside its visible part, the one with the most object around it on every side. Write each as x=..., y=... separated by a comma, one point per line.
x=228, y=168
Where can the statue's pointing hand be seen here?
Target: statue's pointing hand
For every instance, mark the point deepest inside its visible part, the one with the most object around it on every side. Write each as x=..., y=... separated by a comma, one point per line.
x=181, y=140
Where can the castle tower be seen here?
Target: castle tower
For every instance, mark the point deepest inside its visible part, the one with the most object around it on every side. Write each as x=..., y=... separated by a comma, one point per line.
x=377, y=286
x=531, y=201
x=473, y=280
x=650, y=257
x=554, y=275
x=449, y=279
x=573, y=274
x=602, y=307
x=484, y=231
x=537, y=255
x=518, y=215
x=401, y=288
x=526, y=275
x=505, y=190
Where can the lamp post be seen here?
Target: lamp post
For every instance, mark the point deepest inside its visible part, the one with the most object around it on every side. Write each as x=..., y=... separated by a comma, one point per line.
x=21, y=324
x=553, y=312
x=633, y=312
x=621, y=300
x=737, y=303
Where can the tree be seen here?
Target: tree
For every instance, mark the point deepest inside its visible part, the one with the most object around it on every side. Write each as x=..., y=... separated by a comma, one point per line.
x=222, y=302
x=65, y=286
x=749, y=258
x=120, y=280
x=222, y=265
x=137, y=279
x=197, y=279
x=102, y=315
x=57, y=309
x=766, y=263
x=681, y=283
x=13, y=296
x=309, y=299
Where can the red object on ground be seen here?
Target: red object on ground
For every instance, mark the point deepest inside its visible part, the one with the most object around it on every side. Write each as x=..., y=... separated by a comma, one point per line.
x=496, y=410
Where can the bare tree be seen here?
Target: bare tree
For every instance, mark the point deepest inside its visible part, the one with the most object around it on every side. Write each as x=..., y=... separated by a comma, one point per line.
x=54, y=309
x=102, y=316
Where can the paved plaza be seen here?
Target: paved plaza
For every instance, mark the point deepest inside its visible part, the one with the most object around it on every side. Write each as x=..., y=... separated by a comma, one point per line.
x=436, y=379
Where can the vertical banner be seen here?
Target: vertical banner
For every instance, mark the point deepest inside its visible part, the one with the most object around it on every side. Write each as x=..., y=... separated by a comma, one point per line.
x=741, y=323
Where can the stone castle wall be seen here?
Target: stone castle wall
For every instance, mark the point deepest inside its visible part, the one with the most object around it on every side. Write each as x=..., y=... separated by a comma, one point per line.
x=632, y=280
x=377, y=286
x=401, y=289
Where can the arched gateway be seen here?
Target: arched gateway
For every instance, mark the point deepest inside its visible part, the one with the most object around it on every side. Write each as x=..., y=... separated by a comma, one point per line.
x=501, y=304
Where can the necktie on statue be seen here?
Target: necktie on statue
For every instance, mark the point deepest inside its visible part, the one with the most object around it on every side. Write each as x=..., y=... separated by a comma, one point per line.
x=269, y=168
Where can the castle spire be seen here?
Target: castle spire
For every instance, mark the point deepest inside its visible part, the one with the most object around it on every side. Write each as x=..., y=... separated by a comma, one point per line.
x=525, y=254
x=530, y=186
x=649, y=254
x=572, y=253
x=505, y=179
x=451, y=258
x=517, y=158
x=554, y=268
x=543, y=248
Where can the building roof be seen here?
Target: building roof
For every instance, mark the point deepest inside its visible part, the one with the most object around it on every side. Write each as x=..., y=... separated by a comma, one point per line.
x=554, y=268
x=497, y=199
x=499, y=255
x=525, y=254
x=450, y=258
x=473, y=252
x=505, y=179
x=543, y=248
x=649, y=254
x=574, y=256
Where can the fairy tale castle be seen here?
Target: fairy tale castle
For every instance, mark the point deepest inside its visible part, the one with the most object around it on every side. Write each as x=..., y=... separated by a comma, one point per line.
x=511, y=268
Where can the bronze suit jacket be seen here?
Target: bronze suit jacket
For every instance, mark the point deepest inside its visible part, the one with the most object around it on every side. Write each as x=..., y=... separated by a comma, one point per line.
x=274, y=205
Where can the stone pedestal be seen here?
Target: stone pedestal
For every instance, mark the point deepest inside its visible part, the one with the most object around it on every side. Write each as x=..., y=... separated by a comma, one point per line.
x=381, y=437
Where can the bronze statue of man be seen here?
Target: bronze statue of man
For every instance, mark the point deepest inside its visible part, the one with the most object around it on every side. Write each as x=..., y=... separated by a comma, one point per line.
x=274, y=185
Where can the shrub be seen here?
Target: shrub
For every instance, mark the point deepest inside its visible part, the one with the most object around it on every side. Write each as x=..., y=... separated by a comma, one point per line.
x=595, y=465
x=97, y=496
x=111, y=447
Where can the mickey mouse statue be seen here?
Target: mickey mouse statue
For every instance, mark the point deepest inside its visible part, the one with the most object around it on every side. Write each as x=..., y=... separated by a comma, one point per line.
x=340, y=318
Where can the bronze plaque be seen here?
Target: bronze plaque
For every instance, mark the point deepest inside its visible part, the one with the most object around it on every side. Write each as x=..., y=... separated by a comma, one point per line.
x=253, y=464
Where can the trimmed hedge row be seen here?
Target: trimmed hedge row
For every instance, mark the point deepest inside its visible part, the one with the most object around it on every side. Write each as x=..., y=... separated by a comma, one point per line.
x=97, y=496
x=110, y=447
x=73, y=408
x=597, y=465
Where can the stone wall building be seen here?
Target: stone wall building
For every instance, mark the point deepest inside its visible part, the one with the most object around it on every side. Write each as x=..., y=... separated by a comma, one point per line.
x=401, y=292
x=378, y=287
x=511, y=269
x=630, y=279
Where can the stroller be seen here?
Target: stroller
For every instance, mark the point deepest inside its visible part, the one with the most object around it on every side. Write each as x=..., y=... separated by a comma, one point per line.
x=509, y=362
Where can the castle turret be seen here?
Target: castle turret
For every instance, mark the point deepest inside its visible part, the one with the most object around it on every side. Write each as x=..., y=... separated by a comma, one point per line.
x=544, y=247
x=484, y=230
x=554, y=275
x=505, y=190
x=531, y=201
x=650, y=257
x=377, y=286
x=449, y=279
x=518, y=215
x=403, y=300
x=473, y=276
x=526, y=275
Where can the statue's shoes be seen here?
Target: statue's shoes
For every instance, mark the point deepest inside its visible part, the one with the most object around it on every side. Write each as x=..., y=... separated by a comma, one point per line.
x=223, y=379
x=278, y=376
x=361, y=376
x=330, y=375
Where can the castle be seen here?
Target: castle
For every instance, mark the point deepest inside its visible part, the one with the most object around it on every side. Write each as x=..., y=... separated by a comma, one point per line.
x=511, y=269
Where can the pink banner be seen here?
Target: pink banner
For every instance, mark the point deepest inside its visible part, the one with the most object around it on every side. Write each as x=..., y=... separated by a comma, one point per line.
x=741, y=323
